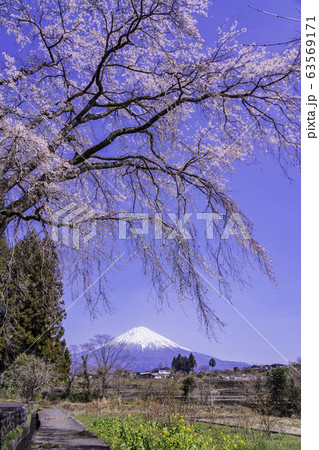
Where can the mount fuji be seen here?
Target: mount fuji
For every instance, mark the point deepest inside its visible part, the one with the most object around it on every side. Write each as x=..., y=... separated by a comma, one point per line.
x=147, y=350
x=145, y=339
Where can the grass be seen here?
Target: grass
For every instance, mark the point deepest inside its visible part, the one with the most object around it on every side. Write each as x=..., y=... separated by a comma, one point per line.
x=254, y=440
x=14, y=434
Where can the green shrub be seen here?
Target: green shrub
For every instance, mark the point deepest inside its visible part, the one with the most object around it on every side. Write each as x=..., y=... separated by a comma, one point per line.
x=188, y=385
x=284, y=391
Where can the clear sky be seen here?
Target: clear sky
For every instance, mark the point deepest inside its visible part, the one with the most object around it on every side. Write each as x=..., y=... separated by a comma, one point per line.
x=272, y=202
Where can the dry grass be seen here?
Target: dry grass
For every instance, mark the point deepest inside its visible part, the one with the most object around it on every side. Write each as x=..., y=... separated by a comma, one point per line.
x=161, y=409
x=243, y=417
x=158, y=400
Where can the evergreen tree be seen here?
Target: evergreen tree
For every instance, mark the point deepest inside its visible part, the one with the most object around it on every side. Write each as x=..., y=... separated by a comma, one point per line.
x=284, y=392
x=174, y=363
x=4, y=253
x=179, y=362
x=38, y=310
x=86, y=376
x=191, y=363
x=212, y=363
x=184, y=364
x=188, y=385
x=8, y=305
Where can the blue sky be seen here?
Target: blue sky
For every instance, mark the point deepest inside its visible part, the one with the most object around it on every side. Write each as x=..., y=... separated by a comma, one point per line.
x=272, y=202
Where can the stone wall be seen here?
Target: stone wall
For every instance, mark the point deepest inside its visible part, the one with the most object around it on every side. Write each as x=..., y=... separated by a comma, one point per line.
x=12, y=415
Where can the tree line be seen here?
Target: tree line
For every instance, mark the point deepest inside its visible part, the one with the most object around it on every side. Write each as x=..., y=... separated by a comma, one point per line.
x=184, y=363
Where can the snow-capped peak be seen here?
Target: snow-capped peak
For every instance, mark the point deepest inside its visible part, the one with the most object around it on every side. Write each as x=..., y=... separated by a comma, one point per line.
x=146, y=339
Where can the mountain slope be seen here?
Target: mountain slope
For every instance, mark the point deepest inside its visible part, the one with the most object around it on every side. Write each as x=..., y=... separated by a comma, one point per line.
x=145, y=339
x=147, y=350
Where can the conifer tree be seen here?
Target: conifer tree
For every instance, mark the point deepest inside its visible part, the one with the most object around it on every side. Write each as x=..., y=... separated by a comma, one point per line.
x=184, y=364
x=37, y=312
x=174, y=363
x=191, y=362
x=8, y=305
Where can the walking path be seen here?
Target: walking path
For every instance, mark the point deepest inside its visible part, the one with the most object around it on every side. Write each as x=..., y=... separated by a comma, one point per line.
x=58, y=430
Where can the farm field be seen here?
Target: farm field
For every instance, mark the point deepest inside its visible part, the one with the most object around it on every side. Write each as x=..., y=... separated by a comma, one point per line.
x=216, y=412
x=134, y=433
x=226, y=402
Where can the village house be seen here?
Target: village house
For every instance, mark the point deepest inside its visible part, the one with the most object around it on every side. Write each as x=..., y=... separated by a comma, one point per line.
x=161, y=372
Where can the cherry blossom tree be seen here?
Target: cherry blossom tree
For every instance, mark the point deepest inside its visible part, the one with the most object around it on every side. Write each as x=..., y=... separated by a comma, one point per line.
x=119, y=107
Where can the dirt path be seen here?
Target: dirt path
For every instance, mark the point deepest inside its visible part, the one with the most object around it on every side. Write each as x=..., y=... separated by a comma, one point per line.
x=58, y=430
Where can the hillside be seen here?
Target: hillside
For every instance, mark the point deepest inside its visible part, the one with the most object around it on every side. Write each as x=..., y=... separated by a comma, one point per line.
x=147, y=349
